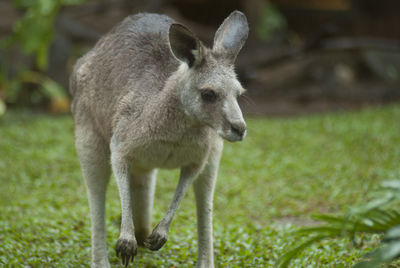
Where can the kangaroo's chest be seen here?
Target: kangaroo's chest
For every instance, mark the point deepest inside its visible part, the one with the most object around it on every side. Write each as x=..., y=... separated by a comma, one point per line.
x=170, y=154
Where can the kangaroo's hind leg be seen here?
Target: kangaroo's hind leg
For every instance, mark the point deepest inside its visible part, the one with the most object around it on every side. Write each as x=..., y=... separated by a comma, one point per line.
x=142, y=191
x=93, y=154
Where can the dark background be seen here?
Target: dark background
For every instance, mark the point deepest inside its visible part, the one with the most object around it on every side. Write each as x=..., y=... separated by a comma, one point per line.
x=301, y=57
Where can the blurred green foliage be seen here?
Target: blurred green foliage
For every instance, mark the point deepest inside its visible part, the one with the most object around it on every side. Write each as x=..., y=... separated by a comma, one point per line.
x=33, y=33
x=271, y=22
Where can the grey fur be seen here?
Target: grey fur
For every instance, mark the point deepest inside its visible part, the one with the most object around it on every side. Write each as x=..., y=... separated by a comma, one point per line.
x=150, y=95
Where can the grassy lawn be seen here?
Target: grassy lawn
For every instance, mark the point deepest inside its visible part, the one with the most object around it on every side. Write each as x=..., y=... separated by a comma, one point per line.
x=286, y=170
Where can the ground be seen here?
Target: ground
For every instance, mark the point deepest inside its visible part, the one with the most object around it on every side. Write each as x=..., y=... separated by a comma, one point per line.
x=285, y=170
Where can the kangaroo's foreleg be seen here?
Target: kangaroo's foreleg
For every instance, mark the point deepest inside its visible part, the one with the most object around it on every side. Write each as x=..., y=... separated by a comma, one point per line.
x=160, y=233
x=204, y=191
x=126, y=245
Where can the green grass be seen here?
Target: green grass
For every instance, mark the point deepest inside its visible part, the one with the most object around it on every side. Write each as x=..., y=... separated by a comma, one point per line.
x=285, y=170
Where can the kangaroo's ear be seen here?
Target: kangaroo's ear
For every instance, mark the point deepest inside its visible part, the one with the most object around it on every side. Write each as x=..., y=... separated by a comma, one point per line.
x=231, y=35
x=185, y=46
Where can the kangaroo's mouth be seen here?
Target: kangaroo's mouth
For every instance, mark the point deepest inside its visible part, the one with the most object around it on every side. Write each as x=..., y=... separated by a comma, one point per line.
x=232, y=135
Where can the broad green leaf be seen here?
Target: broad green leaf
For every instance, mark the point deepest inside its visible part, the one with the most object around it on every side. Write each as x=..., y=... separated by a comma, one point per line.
x=392, y=234
x=52, y=89
x=391, y=251
x=391, y=184
x=332, y=230
x=368, y=264
x=288, y=257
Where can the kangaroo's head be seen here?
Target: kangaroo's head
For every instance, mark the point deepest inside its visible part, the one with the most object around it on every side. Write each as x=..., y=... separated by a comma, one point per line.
x=208, y=87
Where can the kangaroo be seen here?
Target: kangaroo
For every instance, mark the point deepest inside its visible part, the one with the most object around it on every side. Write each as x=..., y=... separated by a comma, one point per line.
x=150, y=95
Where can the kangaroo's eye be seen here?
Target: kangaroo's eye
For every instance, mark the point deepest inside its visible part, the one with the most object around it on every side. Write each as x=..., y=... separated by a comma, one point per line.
x=208, y=95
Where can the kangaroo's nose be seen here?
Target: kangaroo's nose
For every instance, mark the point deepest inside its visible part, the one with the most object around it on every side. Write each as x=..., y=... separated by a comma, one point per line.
x=239, y=129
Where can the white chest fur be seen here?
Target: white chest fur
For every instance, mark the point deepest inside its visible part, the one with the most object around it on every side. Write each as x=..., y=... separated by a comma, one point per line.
x=191, y=148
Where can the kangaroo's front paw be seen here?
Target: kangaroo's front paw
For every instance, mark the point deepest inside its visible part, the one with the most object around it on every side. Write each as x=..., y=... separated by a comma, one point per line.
x=127, y=248
x=157, y=239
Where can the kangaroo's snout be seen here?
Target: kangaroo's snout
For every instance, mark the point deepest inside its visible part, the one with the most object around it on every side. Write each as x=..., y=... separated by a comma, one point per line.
x=234, y=131
x=233, y=127
x=239, y=130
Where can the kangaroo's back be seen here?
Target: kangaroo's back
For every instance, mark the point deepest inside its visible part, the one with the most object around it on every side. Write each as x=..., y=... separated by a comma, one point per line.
x=132, y=61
